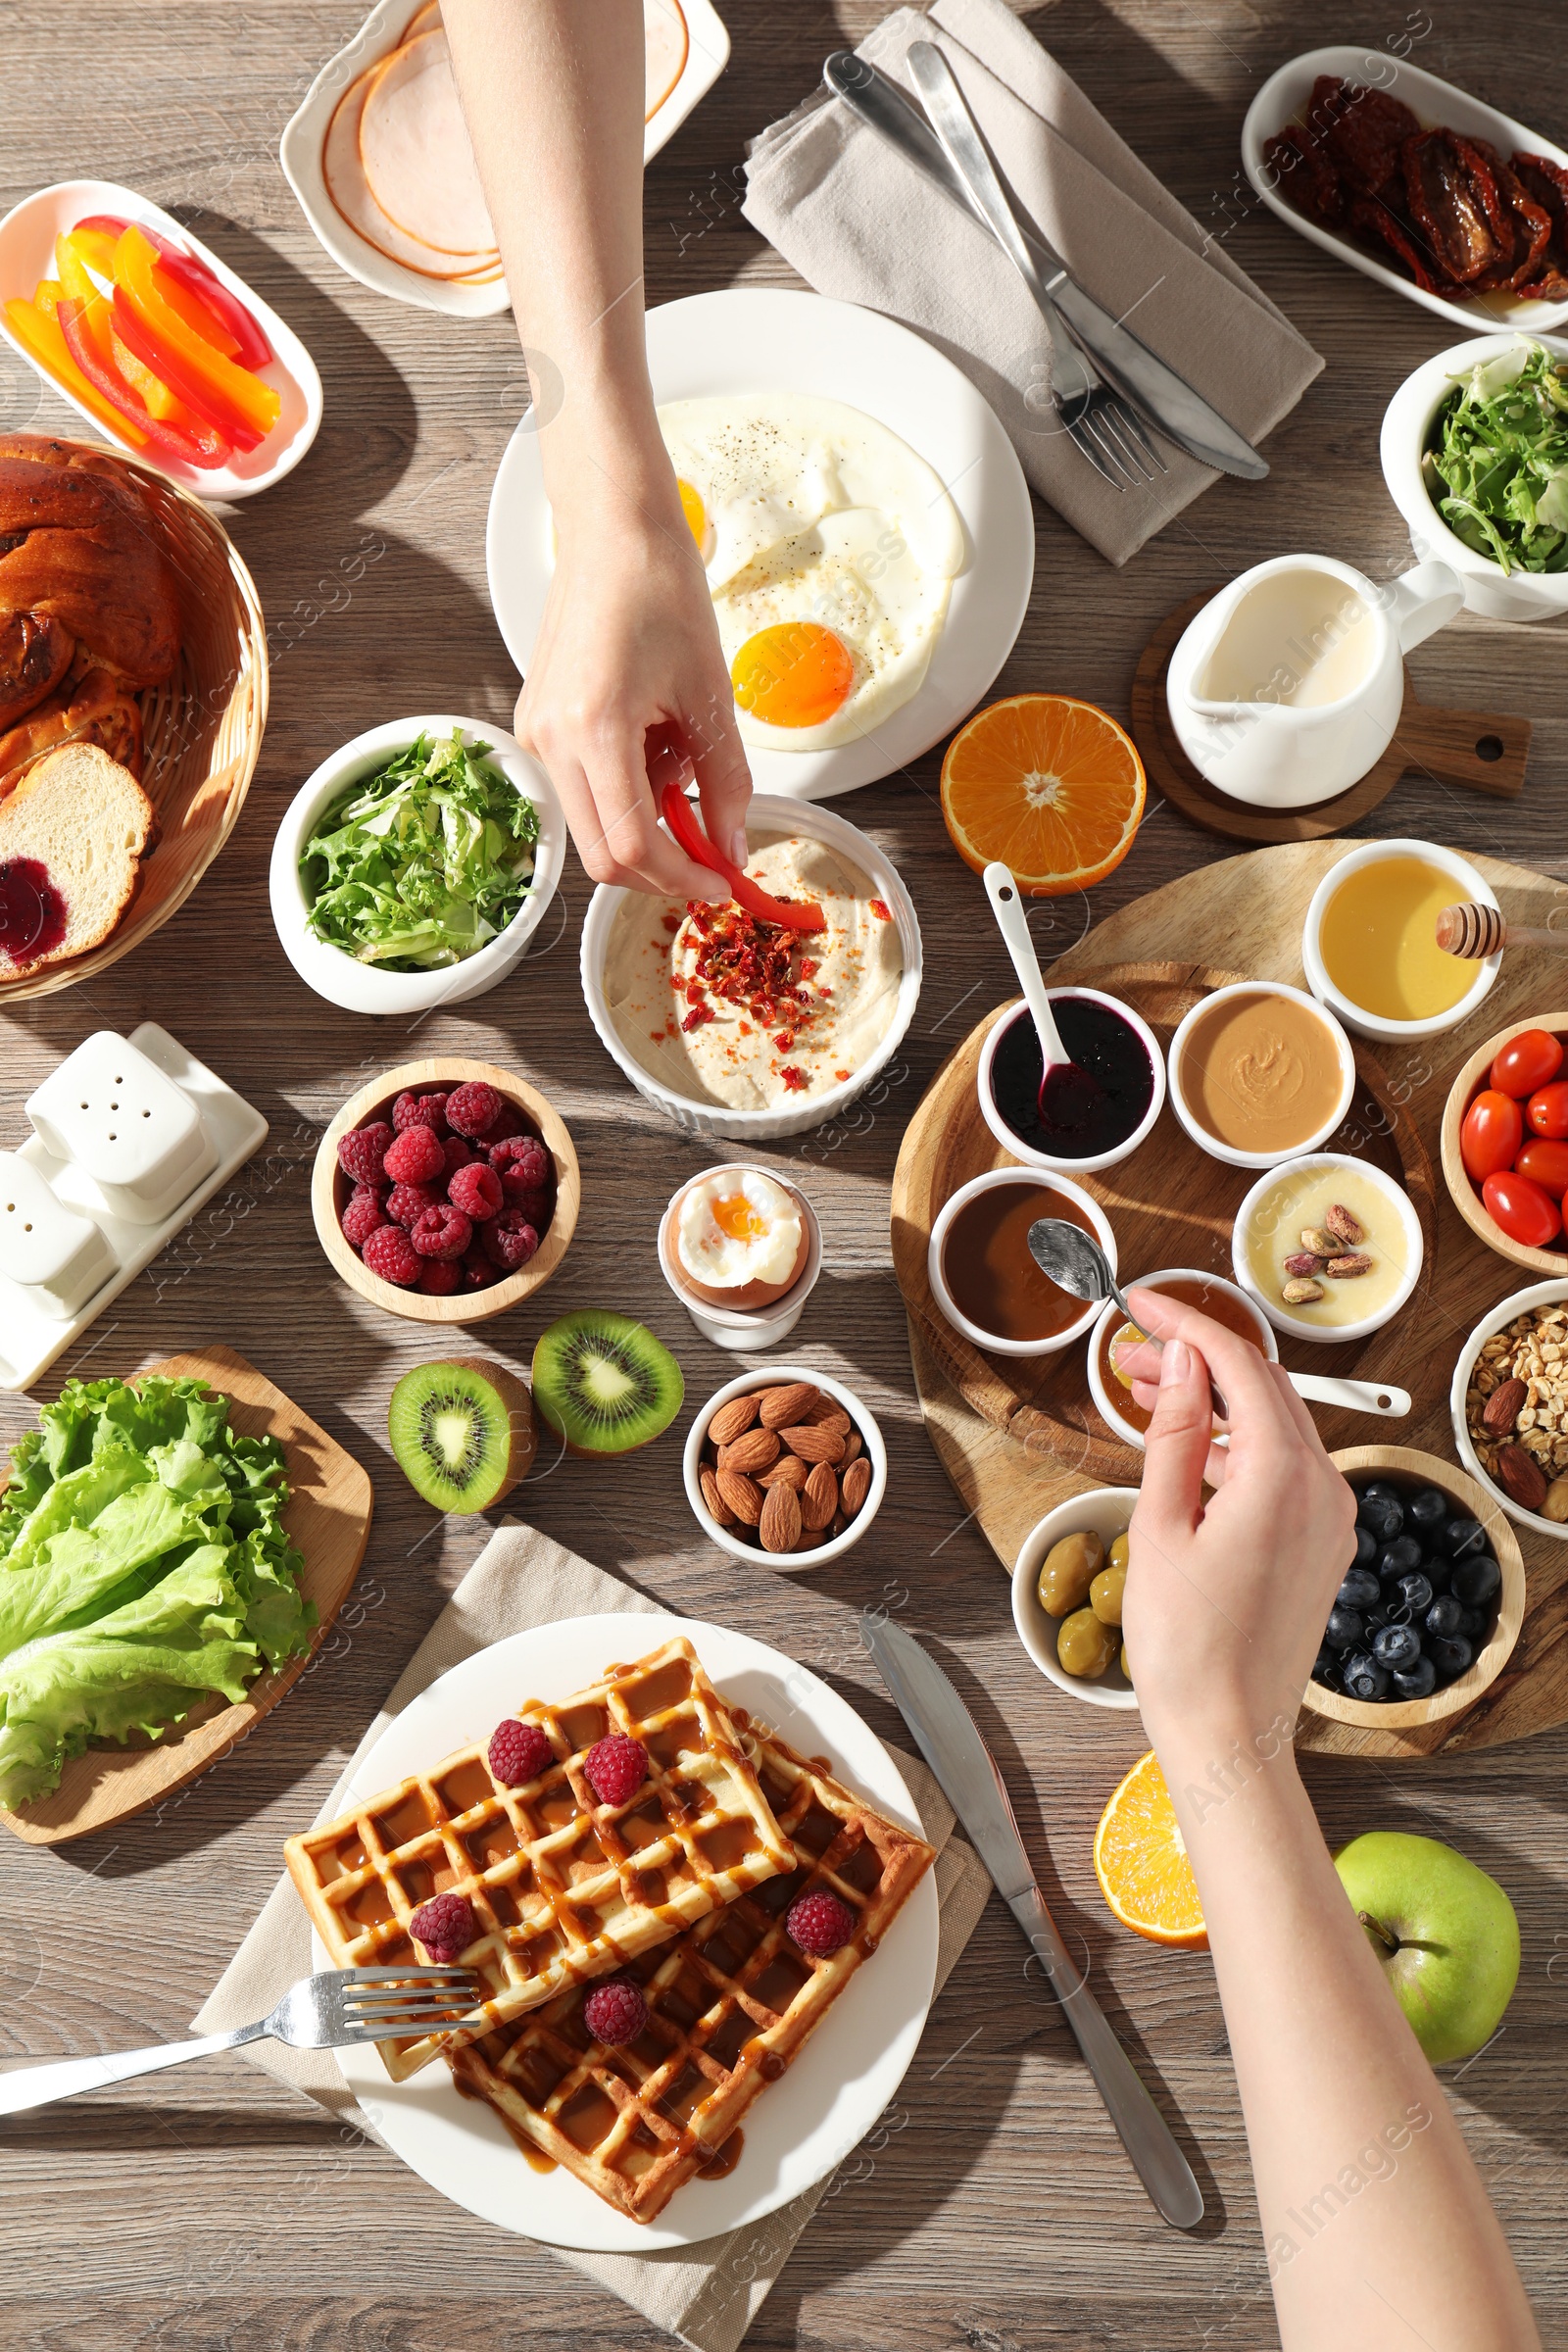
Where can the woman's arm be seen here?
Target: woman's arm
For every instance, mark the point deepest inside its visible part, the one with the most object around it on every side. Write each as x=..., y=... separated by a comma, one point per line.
x=1377, y=2229
x=553, y=92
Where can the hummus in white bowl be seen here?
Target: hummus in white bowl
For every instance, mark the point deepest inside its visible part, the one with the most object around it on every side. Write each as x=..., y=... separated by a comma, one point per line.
x=720, y=1009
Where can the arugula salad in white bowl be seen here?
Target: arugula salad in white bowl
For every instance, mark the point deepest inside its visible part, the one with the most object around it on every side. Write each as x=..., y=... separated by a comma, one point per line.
x=415, y=865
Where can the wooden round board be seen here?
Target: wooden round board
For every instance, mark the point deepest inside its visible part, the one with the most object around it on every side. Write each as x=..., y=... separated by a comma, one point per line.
x=327, y=1515
x=1485, y=751
x=996, y=1435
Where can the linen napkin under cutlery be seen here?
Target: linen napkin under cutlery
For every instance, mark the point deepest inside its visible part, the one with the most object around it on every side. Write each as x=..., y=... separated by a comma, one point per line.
x=862, y=223
x=706, y=2294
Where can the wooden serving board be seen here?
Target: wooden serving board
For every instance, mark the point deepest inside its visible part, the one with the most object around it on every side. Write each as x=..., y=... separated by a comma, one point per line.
x=327, y=1515
x=1014, y=1447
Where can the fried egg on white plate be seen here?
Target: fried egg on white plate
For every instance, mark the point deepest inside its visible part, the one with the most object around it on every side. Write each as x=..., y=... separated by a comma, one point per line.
x=830, y=549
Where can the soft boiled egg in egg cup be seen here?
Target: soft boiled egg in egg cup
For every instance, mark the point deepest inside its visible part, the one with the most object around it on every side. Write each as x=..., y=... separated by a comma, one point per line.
x=734, y=1243
x=830, y=549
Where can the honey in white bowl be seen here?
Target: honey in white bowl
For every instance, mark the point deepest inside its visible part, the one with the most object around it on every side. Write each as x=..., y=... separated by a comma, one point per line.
x=1378, y=939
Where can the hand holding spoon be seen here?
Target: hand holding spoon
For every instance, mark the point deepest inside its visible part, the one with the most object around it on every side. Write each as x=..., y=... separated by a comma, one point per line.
x=1067, y=1091
x=1077, y=1265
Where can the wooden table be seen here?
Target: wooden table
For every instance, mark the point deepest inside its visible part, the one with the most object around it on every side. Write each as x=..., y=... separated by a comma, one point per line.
x=208, y=2208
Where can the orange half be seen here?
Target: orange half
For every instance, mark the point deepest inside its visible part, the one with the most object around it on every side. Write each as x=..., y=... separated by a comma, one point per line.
x=1141, y=1862
x=1052, y=786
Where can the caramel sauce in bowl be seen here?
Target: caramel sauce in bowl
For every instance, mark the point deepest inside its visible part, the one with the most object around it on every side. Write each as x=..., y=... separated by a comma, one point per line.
x=982, y=1275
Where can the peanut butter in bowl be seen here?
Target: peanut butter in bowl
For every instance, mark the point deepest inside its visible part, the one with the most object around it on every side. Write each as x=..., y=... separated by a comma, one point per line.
x=1258, y=1072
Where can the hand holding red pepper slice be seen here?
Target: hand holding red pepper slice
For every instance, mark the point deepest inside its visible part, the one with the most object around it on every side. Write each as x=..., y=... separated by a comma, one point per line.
x=789, y=915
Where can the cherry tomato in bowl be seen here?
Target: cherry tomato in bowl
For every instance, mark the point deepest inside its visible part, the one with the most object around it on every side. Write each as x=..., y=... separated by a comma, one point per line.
x=1524, y=1210
x=1527, y=1062
x=1546, y=1111
x=1492, y=1132
x=1545, y=1163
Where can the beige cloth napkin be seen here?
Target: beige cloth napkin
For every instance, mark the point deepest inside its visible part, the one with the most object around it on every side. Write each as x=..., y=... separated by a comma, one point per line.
x=708, y=2293
x=859, y=222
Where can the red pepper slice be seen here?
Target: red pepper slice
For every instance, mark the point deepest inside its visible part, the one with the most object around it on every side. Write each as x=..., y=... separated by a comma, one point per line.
x=207, y=452
x=171, y=368
x=681, y=819
x=187, y=271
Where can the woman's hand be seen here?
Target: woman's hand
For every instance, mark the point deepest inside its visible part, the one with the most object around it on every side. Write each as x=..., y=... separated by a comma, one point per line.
x=628, y=643
x=1226, y=1602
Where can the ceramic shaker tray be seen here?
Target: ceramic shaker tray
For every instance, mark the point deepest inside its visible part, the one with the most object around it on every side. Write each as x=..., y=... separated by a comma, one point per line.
x=327, y=1515
x=1015, y=1449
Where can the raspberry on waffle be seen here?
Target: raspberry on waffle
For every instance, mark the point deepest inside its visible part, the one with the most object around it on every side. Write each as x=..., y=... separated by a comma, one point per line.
x=729, y=2004
x=565, y=1889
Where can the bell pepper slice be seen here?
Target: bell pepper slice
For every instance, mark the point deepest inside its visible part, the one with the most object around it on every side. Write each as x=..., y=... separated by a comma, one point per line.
x=96, y=247
x=198, y=314
x=151, y=389
x=79, y=285
x=228, y=322
x=788, y=913
x=198, y=447
x=182, y=379
x=39, y=331
x=256, y=403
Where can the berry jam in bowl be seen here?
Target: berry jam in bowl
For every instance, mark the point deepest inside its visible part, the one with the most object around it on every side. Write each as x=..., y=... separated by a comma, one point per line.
x=1083, y=1127
x=446, y=1191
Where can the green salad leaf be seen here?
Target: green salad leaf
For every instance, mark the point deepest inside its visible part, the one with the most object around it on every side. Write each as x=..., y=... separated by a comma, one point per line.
x=1498, y=467
x=423, y=863
x=143, y=1563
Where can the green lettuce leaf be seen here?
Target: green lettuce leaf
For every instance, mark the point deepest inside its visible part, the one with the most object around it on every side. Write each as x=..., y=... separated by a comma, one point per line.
x=1497, y=467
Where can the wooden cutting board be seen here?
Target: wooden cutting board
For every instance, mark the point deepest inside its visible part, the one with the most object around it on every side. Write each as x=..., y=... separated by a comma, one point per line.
x=327, y=1515
x=1246, y=915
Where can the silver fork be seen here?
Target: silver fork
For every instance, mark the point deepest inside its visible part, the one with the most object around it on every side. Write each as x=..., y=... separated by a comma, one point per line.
x=1094, y=415
x=332, y=2011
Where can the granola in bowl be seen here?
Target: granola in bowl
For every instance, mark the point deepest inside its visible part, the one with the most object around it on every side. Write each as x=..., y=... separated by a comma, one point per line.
x=1516, y=1410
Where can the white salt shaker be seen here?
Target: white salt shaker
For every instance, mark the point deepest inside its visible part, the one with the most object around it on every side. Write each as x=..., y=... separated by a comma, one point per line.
x=126, y=1125
x=57, y=1257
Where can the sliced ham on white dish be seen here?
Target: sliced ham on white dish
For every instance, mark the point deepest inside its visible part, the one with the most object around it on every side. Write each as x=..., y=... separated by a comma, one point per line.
x=351, y=194
x=414, y=147
x=666, y=42
x=421, y=20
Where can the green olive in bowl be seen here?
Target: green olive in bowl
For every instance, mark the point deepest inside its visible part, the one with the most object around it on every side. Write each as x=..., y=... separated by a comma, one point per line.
x=1085, y=1646
x=1067, y=1571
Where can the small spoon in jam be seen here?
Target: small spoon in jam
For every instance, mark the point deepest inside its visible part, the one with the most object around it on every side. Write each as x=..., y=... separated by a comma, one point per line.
x=1068, y=1094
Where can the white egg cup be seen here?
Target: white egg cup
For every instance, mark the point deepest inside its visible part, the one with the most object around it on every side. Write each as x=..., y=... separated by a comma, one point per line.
x=745, y=1331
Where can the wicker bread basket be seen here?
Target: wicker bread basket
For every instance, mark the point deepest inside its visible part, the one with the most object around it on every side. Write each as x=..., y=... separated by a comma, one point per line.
x=202, y=730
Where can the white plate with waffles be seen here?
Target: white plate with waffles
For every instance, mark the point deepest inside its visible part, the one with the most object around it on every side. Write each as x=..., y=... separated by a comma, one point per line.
x=800, y=2126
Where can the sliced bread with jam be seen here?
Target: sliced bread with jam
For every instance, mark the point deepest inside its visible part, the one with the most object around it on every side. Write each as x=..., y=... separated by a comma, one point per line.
x=72, y=836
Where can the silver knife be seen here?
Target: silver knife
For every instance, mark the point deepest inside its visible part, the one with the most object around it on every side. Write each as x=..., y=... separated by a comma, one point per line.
x=1167, y=399
x=944, y=1732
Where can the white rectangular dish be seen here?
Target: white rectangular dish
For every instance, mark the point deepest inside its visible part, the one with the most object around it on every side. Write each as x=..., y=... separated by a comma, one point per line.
x=27, y=236
x=305, y=134
x=32, y=1339
x=1284, y=97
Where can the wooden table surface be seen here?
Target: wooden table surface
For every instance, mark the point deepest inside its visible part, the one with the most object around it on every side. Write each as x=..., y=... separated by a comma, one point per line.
x=208, y=2208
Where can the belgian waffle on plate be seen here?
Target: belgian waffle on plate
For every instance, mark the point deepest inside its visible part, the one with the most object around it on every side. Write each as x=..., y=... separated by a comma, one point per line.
x=728, y=2004
x=562, y=1885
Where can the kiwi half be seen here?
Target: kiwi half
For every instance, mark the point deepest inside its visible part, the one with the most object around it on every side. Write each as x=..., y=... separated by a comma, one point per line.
x=603, y=1383
x=463, y=1432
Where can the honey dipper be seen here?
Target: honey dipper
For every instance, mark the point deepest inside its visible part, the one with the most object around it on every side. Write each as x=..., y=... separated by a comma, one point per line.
x=1476, y=932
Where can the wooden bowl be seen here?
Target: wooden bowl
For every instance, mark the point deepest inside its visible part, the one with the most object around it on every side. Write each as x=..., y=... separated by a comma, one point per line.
x=200, y=729
x=1467, y=1195
x=331, y=1187
x=1400, y=1465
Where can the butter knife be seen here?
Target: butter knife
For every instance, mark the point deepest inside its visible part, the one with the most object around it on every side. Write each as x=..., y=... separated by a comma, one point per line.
x=1167, y=400
x=947, y=1736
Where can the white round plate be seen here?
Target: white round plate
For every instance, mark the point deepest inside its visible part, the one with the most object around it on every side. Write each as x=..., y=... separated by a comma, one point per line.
x=800, y=2127
x=768, y=339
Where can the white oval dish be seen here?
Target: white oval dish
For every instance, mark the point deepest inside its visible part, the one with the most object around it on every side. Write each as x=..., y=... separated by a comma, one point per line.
x=1195, y=1127
x=1540, y=1293
x=747, y=1331
x=1279, y=1314
x=787, y=1564
x=304, y=135
x=1112, y=1312
x=1030, y=1157
x=800, y=2127
x=27, y=236
x=364, y=987
x=770, y=815
x=1107, y=1513
x=1285, y=95
x=1471, y=885
x=1048, y=1180
x=777, y=339
x=1406, y=430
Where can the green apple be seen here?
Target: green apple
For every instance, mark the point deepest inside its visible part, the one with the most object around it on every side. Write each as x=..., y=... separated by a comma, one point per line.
x=1446, y=1933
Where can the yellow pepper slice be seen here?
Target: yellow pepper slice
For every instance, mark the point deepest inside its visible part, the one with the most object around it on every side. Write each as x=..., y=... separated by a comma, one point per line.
x=39, y=331
x=236, y=387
